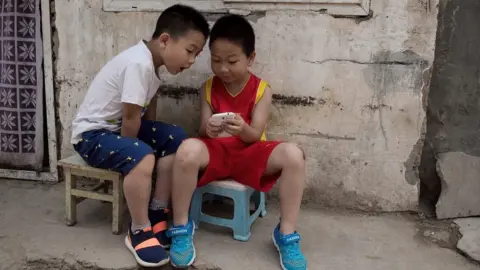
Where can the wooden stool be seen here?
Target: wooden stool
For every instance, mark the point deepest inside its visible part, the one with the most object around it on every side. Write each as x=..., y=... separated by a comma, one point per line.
x=75, y=166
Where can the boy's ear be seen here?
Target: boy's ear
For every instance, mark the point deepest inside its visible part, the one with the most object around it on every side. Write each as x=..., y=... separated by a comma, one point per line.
x=251, y=59
x=164, y=38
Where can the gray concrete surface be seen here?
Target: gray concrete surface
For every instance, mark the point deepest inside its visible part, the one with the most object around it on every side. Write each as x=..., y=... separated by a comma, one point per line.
x=459, y=173
x=470, y=241
x=33, y=236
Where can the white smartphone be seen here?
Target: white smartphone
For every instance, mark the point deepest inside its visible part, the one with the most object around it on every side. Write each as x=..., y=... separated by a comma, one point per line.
x=219, y=118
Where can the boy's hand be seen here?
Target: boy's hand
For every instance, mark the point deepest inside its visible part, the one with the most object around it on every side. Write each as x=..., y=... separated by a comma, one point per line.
x=234, y=126
x=213, y=129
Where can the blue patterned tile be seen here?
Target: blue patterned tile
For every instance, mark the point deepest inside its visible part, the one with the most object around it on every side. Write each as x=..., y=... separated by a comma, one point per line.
x=26, y=52
x=8, y=97
x=8, y=6
x=9, y=143
x=8, y=26
x=27, y=75
x=9, y=120
x=27, y=121
x=8, y=50
x=25, y=27
x=28, y=98
x=28, y=143
x=26, y=6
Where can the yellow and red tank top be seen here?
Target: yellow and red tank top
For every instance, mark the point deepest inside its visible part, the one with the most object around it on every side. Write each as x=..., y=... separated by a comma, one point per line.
x=243, y=103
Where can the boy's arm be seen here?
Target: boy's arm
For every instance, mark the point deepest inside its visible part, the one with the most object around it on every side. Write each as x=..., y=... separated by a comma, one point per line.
x=134, y=94
x=253, y=132
x=151, y=113
x=131, y=120
x=205, y=112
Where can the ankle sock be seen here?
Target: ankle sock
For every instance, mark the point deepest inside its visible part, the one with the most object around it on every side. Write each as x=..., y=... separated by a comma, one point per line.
x=135, y=227
x=157, y=204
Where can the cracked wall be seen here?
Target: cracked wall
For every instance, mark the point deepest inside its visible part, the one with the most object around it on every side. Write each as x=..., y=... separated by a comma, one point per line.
x=349, y=91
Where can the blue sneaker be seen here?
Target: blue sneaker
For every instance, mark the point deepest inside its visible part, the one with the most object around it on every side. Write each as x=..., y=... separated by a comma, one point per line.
x=145, y=248
x=288, y=246
x=182, y=250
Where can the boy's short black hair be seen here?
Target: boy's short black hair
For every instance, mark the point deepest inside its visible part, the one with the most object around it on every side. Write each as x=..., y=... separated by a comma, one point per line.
x=236, y=29
x=177, y=20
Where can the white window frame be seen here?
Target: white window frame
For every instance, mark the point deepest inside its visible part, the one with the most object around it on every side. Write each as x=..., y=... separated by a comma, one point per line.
x=333, y=7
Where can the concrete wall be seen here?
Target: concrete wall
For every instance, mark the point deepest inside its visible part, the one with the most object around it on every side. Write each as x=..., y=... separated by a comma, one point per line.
x=349, y=91
x=453, y=111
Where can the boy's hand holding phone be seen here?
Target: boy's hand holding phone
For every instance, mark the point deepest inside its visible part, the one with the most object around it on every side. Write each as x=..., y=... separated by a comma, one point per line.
x=229, y=122
x=214, y=128
x=234, y=125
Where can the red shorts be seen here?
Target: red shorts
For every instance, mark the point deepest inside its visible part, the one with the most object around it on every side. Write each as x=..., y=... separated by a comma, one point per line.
x=245, y=163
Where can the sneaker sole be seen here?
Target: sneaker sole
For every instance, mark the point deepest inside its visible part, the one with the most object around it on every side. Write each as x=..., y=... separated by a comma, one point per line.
x=194, y=253
x=279, y=253
x=140, y=261
x=278, y=249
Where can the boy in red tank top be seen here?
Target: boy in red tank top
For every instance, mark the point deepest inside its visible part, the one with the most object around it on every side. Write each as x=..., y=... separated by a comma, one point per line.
x=237, y=147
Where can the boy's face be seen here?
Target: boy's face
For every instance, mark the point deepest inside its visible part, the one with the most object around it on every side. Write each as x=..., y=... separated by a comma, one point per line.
x=229, y=61
x=179, y=53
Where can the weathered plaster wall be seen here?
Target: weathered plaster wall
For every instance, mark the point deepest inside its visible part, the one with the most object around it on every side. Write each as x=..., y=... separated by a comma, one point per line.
x=349, y=91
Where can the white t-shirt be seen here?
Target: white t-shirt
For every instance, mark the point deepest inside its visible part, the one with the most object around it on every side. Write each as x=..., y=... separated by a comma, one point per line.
x=129, y=77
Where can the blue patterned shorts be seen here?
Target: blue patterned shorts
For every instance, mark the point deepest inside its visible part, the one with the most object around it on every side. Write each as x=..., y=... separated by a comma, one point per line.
x=108, y=150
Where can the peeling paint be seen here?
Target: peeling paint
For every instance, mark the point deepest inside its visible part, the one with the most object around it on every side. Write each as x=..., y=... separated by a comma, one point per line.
x=295, y=100
x=177, y=92
x=376, y=107
x=180, y=92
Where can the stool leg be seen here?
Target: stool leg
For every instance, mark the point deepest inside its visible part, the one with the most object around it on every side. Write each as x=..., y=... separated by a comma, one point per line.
x=106, y=186
x=262, y=205
x=117, y=206
x=241, y=216
x=70, y=200
x=121, y=204
x=257, y=199
x=196, y=207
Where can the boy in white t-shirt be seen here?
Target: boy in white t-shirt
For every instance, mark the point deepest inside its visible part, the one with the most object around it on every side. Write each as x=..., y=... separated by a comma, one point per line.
x=115, y=129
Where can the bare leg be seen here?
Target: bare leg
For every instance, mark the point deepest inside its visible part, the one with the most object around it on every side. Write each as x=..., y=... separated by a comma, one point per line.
x=191, y=157
x=137, y=187
x=289, y=159
x=163, y=186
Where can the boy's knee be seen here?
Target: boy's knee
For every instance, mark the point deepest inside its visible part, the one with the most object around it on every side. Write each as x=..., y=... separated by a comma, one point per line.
x=294, y=156
x=145, y=166
x=189, y=152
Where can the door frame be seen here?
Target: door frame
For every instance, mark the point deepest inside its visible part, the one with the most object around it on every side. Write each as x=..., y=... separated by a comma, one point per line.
x=52, y=174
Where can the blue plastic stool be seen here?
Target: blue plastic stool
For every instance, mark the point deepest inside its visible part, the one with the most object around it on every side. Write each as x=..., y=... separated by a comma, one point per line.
x=242, y=220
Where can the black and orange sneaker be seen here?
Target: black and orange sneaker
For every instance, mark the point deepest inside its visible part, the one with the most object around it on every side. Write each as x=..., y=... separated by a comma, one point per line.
x=159, y=220
x=145, y=248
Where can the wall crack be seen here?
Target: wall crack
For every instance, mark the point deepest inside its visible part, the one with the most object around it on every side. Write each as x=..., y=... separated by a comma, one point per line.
x=400, y=63
x=321, y=135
